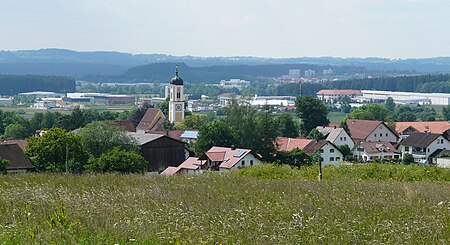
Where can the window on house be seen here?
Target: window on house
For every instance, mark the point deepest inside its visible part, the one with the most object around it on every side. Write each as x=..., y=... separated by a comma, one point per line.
x=428, y=149
x=345, y=138
x=321, y=150
x=406, y=148
x=338, y=158
x=331, y=159
x=375, y=135
x=442, y=141
x=251, y=162
x=243, y=163
x=381, y=135
x=341, y=138
x=386, y=134
x=321, y=159
x=331, y=150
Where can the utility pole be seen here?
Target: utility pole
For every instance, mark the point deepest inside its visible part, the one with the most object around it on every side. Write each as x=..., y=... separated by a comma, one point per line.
x=67, y=158
x=320, y=168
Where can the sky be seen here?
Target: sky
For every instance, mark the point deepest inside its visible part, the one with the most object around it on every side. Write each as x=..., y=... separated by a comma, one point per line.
x=263, y=28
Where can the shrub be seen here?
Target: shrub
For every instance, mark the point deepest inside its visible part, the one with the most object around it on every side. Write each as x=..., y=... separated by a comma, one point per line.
x=118, y=161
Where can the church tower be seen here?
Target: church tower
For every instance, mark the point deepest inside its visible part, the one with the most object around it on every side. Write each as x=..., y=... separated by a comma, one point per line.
x=176, y=101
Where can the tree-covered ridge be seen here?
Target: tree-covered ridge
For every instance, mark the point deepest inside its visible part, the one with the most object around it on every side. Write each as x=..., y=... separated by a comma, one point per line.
x=14, y=84
x=424, y=83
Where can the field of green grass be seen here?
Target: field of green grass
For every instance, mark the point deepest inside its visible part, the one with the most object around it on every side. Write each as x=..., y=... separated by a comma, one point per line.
x=336, y=117
x=263, y=205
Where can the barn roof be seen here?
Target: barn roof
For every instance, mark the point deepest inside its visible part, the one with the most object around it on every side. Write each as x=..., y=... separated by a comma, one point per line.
x=126, y=124
x=14, y=154
x=150, y=119
x=289, y=144
x=143, y=139
x=420, y=140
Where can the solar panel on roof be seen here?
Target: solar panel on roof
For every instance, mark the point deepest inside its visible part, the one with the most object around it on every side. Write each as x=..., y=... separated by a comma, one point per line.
x=239, y=153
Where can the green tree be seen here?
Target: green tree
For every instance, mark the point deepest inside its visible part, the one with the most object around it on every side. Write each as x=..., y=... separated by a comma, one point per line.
x=215, y=133
x=164, y=106
x=390, y=105
x=101, y=137
x=3, y=166
x=345, y=150
x=371, y=112
x=312, y=112
x=446, y=112
x=195, y=121
x=287, y=125
x=267, y=128
x=345, y=104
x=295, y=157
x=117, y=160
x=408, y=158
x=51, y=151
x=315, y=134
x=16, y=131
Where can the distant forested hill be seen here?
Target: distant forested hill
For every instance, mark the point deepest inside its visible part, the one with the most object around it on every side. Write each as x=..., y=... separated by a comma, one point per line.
x=102, y=63
x=163, y=71
x=424, y=83
x=14, y=84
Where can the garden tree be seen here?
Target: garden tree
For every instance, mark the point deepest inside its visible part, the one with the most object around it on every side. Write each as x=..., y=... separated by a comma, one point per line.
x=345, y=150
x=390, y=105
x=9, y=117
x=195, y=121
x=211, y=116
x=16, y=131
x=345, y=127
x=117, y=160
x=371, y=112
x=51, y=151
x=408, y=158
x=241, y=119
x=3, y=165
x=215, y=133
x=166, y=125
x=164, y=106
x=315, y=134
x=137, y=113
x=267, y=128
x=101, y=137
x=345, y=104
x=407, y=116
x=446, y=112
x=295, y=157
x=287, y=126
x=312, y=112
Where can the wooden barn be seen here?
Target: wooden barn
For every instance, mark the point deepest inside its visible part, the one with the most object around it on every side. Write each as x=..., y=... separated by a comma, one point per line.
x=161, y=151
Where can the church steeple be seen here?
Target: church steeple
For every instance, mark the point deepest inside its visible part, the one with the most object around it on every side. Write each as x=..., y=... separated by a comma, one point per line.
x=176, y=101
x=176, y=80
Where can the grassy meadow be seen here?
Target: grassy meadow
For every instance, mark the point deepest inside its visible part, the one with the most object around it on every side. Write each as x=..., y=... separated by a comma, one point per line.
x=373, y=204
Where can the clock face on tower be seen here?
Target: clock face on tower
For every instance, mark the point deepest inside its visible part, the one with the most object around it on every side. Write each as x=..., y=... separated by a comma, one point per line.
x=178, y=107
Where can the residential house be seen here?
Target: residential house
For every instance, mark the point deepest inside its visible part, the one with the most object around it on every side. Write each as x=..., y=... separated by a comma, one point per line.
x=371, y=131
x=404, y=129
x=161, y=151
x=192, y=165
x=151, y=121
x=369, y=151
x=441, y=158
x=18, y=161
x=423, y=145
x=329, y=153
x=337, y=136
x=225, y=159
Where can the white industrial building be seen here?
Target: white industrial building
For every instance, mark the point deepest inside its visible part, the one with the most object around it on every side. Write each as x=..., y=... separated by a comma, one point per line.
x=406, y=97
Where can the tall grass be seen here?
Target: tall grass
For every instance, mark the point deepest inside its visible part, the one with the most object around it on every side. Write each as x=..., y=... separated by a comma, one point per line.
x=214, y=208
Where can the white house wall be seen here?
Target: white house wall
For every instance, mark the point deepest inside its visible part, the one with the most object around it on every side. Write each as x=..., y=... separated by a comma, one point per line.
x=344, y=139
x=382, y=133
x=331, y=158
x=247, y=163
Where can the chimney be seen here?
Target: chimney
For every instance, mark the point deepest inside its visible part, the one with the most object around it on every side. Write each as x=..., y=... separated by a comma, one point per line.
x=233, y=147
x=334, y=126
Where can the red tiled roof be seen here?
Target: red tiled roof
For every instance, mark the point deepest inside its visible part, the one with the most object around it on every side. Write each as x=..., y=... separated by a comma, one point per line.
x=191, y=163
x=174, y=134
x=315, y=145
x=339, y=92
x=14, y=154
x=431, y=127
x=169, y=171
x=151, y=119
x=289, y=144
x=226, y=156
x=360, y=129
x=374, y=147
x=126, y=124
x=22, y=143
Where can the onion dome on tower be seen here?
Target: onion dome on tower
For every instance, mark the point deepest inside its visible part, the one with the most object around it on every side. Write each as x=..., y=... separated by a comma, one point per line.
x=176, y=80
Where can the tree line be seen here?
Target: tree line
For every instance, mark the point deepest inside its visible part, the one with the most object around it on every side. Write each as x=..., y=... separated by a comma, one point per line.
x=14, y=84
